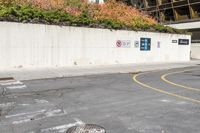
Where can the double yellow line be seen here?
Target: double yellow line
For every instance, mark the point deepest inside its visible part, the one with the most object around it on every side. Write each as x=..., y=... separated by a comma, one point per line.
x=163, y=77
x=165, y=92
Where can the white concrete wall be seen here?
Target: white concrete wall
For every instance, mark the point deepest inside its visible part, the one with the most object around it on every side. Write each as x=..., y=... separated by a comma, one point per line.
x=34, y=45
x=195, y=50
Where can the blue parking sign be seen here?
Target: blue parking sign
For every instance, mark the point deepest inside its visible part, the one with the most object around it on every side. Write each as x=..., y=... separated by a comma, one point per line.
x=145, y=44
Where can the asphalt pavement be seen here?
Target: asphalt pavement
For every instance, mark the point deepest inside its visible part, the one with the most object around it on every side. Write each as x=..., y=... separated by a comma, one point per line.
x=159, y=101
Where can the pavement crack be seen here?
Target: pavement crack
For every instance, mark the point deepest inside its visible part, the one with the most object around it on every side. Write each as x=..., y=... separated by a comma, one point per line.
x=0, y=113
x=57, y=91
x=4, y=91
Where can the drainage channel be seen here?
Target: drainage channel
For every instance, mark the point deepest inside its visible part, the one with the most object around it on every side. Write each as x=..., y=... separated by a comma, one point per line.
x=86, y=128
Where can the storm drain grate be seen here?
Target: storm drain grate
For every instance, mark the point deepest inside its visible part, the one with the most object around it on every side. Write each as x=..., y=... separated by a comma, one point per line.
x=86, y=128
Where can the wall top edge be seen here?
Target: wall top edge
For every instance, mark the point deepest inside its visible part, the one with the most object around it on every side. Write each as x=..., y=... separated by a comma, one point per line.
x=89, y=28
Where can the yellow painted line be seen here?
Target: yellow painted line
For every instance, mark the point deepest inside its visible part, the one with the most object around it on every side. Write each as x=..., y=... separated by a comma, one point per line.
x=163, y=77
x=164, y=92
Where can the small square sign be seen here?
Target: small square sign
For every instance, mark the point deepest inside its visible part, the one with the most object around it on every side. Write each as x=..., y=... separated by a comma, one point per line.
x=158, y=44
x=136, y=44
x=174, y=41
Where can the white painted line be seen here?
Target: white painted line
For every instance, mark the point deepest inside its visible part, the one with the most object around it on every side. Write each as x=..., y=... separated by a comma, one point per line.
x=12, y=83
x=21, y=121
x=165, y=101
x=31, y=132
x=7, y=81
x=3, y=105
x=182, y=103
x=175, y=102
x=35, y=119
x=26, y=117
x=53, y=112
x=62, y=128
x=22, y=114
x=79, y=121
x=23, y=104
x=16, y=87
x=41, y=101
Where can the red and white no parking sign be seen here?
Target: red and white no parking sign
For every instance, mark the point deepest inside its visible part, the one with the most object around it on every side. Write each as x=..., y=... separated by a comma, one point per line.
x=119, y=43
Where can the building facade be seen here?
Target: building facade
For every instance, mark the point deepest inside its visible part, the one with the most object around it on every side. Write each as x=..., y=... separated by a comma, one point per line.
x=97, y=1
x=170, y=11
x=180, y=14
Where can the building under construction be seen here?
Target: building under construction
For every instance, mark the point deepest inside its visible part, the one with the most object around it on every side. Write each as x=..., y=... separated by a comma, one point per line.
x=170, y=11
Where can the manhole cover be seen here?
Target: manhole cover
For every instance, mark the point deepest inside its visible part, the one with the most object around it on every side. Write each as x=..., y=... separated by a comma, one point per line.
x=87, y=128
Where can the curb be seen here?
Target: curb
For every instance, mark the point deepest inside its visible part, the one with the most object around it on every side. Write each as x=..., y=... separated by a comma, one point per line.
x=50, y=73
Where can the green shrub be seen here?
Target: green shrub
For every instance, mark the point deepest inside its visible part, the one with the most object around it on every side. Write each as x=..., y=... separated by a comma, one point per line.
x=27, y=13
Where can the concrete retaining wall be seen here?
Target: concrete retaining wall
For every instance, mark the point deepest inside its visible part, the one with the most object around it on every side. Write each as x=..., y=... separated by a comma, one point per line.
x=195, y=50
x=34, y=45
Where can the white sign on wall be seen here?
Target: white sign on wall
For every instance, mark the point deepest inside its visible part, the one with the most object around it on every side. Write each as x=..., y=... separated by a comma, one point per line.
x=123, y=43
x=136, y=44
x=174, y=41
x=158, y=44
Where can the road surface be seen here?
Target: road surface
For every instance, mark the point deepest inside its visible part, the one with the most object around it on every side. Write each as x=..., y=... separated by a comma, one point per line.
x=166, y=101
